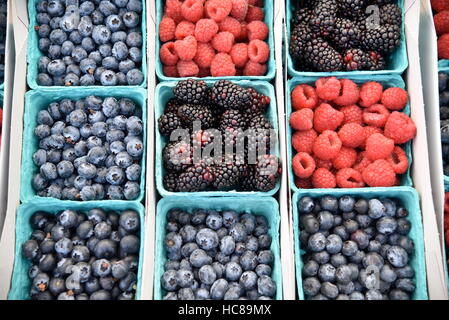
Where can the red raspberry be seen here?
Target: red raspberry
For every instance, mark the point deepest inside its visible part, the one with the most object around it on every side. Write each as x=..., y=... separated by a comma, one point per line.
x=303, y=165
x=239, y=9
x=184, y=29
x=186, y=49
x=398, y=160
x=379, y=174
x=378, y=147
x=253, y=2
x=395, y=98
x=187, y=69
x=258, y=51
x=218, y=9
x=376, y=115
x=204, y=72
x=223, y=41
x=304, y=96
x=352, y=135
x=447, y=237
x=441, y=21
x=353, y=114
x=231, y=25
x=349, y=178
x=239, y=54
x=400, y=128
x=192, y=10
x=345, y=158
x=243, y=32
x=323, y=179
x=170, y=71
x=439, y=5
x=370, y=93
x=173, y=10
x=222, y=66
x=302, y=119
x=327, y=145
x=205, y=30
x=204, y=55
x=443, y=46
x=368, y=132
x=254, y=14
x=349, y=94
x=328, y=88
x=168, y=54
x=303, y=183
x=254, y=69
x=303, y=141
x=446, y=203
x=257, y=30
x=362, y=162
x=327, y=118
x=327, y=164
x=167, y=28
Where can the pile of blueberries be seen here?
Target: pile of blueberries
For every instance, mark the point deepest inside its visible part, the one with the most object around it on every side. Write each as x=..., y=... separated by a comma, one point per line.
x=90, y=43
x=89, y=149
x=83, y=256
x=443, y=86
x=355, y=249
x=218, y=255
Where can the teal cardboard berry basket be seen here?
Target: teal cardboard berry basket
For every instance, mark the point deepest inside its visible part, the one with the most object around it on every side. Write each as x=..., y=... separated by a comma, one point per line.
x=269, y=21
x=444, y=63
x=396, y=62
x=387, y=81
x=264, y=206
x=164, y=91
x=37, y=100
x=409, y=199
x=21, y=283
x=33, y=53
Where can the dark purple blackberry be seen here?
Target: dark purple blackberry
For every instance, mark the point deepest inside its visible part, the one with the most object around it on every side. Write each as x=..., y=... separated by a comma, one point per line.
x=391, y=14
x=232, y=119
x=259, y=102
x=170, y=181
x=191, y=91
x=375, y=61
x=226, y=175
x=322, y=56
x=301, y=15
x=229, y=95
x=260, y=122
x=248, y=181
x=173, y=105
x=202, y=138
x=196, y=178
x=262, y=137
x=309, y=4
x=177, y=156
x=355, y=59
x=267, y=172
x=351, y=8
x=169, y=122
x=384, y=38
x=346, y=34
x=299, y=37
x=189, y=113
x=323, y=17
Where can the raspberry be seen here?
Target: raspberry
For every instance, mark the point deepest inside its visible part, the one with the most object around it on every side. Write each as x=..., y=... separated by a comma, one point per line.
x=362, y=162
x=231, y=25
x=170, y=71
x=204, y=55
x=167, y=28
x=376, y=115
x=302, y=119
x=205, y=30
x=184, y=29
x=327, y=118
x=370, y=93
x=204, y=72
x=398, y=160
x=327, y=145
x=218, y=9
x=349, y=93
x=254, y=69
x=395, y=98
x=186, y=49
x=303, y=183
x=441, y=21
x=353, y=114
x=303, y=141
x=254, y=14
x=400, y=128
x=223, y=41
x=239, y=54
x=352, y=135
x=378, y=147
x=173, y=10
x=222, y=66
x=257, y=30
x=379, y=174
x=243, y=32
x=253, y=2
x=192, y=10
x=258, y=51
x=345, y=158
x=323, y=163
x=304, y=96
x=443, y=46
x=349, y=178
x=187, y=68
x=303, y=165
x=447, y=237
x=328, y=88
x=323, y=179
x=168, y=54
x=446, y=203
x=239, y=9
x=439, y=5
x=368, y=132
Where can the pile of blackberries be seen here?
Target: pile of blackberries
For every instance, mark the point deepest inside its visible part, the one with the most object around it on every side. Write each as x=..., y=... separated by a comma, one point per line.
x=355, y=249
x=218, y=255
x=443, y=86
x=91, y=255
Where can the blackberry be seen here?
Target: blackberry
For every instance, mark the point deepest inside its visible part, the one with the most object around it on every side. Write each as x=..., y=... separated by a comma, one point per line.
x=173, y=105
x=380, y=2
x=202, y=138
x=259, y=102
x=391, y=14
x=346, y=34
x=177, y=156
x=267, y=172
x=232, y=119
x=248, y=181
x=299, y=37
x=169, y=122
x=229, y=95
x=260, y=122
x=261, y=138
x=323, y=17
x=301, y=15
x=351, y=8
x=384, y=38
x=309, y=4
x=322, y=56
x=189, y=113
x=191, y=91
x=355, y=59
x=375, y=61
x=170, y=181
x=227, y=175
x=196, y=178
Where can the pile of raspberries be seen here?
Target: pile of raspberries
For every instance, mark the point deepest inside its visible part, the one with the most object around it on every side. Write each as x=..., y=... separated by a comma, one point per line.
x=348, y=136
x=215, y=38
x=441, y=20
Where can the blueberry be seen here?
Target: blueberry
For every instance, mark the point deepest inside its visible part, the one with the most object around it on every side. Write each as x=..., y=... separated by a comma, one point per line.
x=396, y=294
x=338, y=260
x=57, y=36
x=265, y=257
x=341, y=232
x=248, y=260
x=346, y=203
x=329, y=290
x=401, y=212
x=397, y=256
x=374, y=246
x=361, y=238
x=131, y=19
x=326, y=272
x=134, y=147
x=199, y=258
x=127, y=106
x=403, y=226
x=373, y=259
x=317, y=242
x=356, y=296
x=333, y=244
x=134, y=5
x=134, y=77
x=207, y=239
x=349, y=248
x=376, y=209
x=134, y=39
x=266, y=286
x=105, y=249
x=133, y=172
x=326, y=220
x=363, y=220
x=80, y=254
x=30, y=249
x=184, y=278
